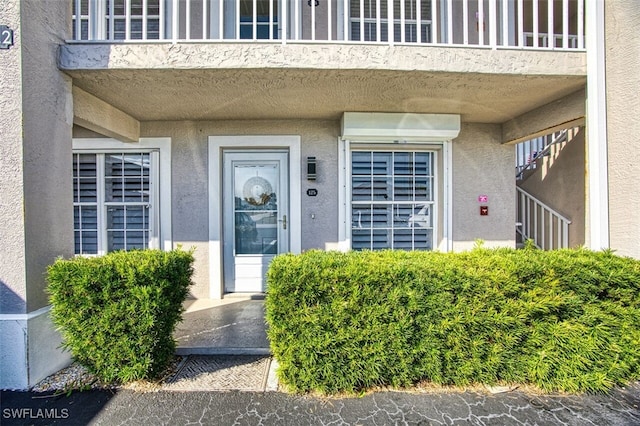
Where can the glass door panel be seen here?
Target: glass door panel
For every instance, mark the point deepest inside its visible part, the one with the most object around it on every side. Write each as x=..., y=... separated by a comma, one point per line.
x=255, y=214
x=256, y=208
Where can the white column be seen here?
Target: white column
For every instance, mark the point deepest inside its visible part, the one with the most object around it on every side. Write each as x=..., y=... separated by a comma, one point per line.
x=598, y=194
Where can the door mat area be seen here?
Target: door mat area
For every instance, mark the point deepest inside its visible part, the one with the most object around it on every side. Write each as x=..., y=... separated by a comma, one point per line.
x=221, y=372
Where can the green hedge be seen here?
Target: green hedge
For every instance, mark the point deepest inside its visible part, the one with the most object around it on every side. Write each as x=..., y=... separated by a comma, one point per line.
x=563, y=320
x=117, y=312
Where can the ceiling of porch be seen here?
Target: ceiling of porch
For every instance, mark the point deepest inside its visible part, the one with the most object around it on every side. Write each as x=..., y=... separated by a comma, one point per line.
x=291, y=93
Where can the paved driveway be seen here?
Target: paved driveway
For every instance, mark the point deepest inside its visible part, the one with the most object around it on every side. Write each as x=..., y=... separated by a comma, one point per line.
x=275, y=408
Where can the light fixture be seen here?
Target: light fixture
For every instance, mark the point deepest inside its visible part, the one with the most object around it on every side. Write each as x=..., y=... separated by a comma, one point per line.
x=311, y=168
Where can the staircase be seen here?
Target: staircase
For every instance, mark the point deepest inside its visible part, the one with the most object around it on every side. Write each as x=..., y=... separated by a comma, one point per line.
x=528, y=152
x=535, y=220
x=538, y=222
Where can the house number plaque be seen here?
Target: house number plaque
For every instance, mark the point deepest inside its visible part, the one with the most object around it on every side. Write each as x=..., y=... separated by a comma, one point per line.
x=6, y=37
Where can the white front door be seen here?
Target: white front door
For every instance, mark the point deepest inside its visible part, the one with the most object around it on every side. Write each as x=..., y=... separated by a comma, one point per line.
x=255, y=215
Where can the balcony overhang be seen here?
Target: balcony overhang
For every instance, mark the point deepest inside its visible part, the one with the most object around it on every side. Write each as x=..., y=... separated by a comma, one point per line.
x=204, y=81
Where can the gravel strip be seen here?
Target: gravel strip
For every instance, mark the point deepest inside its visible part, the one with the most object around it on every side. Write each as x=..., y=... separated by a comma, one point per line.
x=77, y=377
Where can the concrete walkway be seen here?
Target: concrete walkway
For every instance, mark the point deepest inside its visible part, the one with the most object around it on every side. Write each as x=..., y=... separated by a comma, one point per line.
x=234, y=325
x=275, y=408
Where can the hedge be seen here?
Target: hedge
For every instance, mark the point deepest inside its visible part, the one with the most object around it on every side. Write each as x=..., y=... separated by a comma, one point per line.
x=117, y=313
x=566, y=320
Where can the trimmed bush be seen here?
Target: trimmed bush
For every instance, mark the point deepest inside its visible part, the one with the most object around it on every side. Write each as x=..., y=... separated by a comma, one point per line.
x=117, y=313
x=564, y=320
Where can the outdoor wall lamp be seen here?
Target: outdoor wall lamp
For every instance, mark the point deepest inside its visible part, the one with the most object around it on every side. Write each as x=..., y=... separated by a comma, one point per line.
x=311, y=168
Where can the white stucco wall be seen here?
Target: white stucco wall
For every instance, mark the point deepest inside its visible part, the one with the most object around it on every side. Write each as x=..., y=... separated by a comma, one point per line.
x=622, y=44
x=483, y=166
x=36, y=212
x=12, y=251
x=190, y=181
x=47, y=124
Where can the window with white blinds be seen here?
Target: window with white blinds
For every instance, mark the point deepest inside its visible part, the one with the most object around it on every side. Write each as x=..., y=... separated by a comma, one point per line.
x=113, y=201
x=375, y=12
x=392, y=200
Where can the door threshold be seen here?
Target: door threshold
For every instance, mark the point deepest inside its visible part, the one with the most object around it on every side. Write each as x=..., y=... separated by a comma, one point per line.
x=250, y=296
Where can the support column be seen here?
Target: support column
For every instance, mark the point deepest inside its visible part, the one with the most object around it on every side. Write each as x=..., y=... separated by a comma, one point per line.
x=36, y=206
x=597, y=236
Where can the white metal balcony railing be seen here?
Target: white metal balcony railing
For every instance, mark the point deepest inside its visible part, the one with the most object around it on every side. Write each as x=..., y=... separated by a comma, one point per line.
x=535, y=24
x=538, y=222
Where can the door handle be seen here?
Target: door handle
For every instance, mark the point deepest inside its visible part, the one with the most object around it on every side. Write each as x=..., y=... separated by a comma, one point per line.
x=284, y=221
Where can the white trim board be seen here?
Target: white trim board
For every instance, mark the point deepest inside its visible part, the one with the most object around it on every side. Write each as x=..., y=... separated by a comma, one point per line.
x=25, y=317
x=597, y=144
x=216, y=145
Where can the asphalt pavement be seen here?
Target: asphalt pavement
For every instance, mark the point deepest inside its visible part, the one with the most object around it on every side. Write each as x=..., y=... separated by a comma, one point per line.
x=126, y=407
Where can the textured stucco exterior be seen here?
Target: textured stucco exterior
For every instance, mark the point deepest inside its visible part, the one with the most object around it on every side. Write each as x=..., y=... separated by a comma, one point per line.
x=190, y=181
x=319, y=56
x=557, y=115
x=47, y=120
x=36, y=204
x=95, y=114
x=559, y=181
x=483, y=166
x=227, y=81
x=13, y=292
x=622, y=44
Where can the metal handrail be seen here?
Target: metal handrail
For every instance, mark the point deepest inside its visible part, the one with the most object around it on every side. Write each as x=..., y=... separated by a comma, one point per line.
x=558, y=138
x=531, y=219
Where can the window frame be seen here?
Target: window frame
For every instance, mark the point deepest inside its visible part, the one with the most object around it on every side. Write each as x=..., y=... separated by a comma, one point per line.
x=103, y=205
x=442, y=175
x=159, y=185
x=432, y=177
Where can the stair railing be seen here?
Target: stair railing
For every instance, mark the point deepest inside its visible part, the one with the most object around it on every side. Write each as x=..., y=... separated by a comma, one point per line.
x=538, y=222
x=557, y=137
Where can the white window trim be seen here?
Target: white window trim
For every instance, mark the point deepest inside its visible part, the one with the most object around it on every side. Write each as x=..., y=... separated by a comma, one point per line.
x=163, y=146
x=216, y=146
x=346, y=146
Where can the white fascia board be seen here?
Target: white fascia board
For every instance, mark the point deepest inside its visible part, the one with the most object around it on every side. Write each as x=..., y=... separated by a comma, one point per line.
x=401, y=127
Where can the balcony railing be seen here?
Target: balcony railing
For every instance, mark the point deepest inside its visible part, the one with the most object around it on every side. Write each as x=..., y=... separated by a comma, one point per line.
x=530, y=24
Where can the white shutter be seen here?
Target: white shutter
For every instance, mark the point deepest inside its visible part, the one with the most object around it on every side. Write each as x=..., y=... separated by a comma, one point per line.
x=392, y=200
